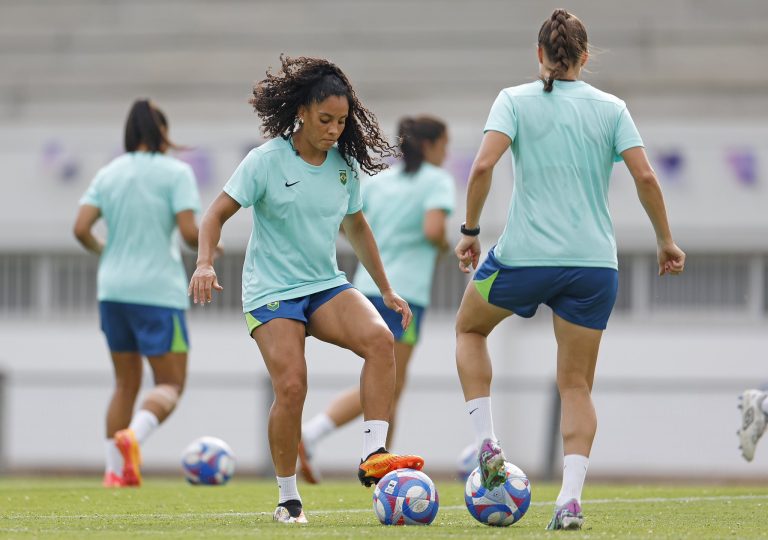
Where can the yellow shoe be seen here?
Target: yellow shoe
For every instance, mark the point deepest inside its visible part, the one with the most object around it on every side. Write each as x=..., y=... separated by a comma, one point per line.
x=126, y=442
x=382, y=462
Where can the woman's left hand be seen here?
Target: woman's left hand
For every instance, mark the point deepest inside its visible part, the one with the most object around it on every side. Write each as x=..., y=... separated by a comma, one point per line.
x=393, y=301
x=468, y=252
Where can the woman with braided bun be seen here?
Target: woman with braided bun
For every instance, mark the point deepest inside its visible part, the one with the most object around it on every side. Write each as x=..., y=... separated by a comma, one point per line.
x=558, y=247
x=303, y=185
x=407, y=207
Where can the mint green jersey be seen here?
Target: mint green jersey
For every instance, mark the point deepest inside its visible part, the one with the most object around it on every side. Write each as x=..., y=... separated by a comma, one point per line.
x=297, y=212
x=394, y=203
x=139, y=195
x=564, y=145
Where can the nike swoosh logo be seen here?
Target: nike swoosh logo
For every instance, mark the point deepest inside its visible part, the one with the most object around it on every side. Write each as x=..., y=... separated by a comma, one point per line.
x=367, y=430
x=292, y=184
x=473, y=410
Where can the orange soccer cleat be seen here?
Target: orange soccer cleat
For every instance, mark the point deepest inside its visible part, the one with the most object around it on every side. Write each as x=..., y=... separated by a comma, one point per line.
x=126, y=442
x=111, y=480
x=381, y=462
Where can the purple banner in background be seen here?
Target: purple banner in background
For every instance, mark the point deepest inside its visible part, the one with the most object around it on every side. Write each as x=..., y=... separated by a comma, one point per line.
x=58, y=162
x=202, y=165
x=743, y=165
x=670, y=165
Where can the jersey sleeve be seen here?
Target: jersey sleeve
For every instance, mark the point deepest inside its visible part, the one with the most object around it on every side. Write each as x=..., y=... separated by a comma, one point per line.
x=355, y=203
x=92, y=195
x=626, y=135
x=442, y=194
x=502, y=117
x=185, y=195
x=248, y=183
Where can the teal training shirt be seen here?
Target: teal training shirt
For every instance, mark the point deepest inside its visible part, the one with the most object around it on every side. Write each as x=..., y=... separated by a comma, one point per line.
x=297, y=212
x=139, y=195
x=394, y=203
x=564, y=145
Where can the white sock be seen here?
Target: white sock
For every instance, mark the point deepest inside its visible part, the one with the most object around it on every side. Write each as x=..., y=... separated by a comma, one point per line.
x=482, y=421
x=288, y=489
x=143, y=424
x=374, y=436
x=113, y=457
x=574, y=473
x=315, y=430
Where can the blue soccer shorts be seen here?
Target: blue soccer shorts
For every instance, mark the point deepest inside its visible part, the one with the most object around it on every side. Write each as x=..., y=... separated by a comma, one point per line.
x=149, y=330
x=580, y=295
x=299, y=309
x=409, y=336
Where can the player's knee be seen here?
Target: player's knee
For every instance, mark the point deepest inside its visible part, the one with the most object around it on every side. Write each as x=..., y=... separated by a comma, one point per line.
x=291, y=391
x=378, y=342
x=165, y=396
x=572, y=382
x=464, y=323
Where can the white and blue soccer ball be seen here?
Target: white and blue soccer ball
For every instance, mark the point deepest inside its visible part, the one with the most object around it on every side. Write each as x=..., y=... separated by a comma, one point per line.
x=503, y=505
x=467, y=462
x=208, y=461
x=405, y=497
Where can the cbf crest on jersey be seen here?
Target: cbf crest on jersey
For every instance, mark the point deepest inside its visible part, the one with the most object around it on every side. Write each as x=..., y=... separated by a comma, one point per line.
x=343, y=177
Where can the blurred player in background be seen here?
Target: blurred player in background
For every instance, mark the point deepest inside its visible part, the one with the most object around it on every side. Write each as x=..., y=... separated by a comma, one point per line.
x=303, y=185
x=407, y=208
x=754, y=417
x=558, y=247
x=144, y=196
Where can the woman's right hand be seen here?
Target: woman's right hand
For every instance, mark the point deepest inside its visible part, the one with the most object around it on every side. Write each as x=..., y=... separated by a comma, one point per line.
x=203, y=283
x=671, y=259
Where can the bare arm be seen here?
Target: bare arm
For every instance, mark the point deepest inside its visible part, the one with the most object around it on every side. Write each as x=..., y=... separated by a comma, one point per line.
x=671, y=258
x=87, y=217
x=359, y=234
x=185, y=221
x=480, y=177
x=204, y=279
x=434, y=228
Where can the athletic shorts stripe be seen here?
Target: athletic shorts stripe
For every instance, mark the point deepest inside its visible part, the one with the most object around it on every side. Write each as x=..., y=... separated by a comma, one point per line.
x=299, y=309
x=409, y=336
x=149, y=330
x=580, y=295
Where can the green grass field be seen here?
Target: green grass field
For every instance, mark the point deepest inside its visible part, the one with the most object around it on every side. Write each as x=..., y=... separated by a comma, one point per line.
x=81, y=508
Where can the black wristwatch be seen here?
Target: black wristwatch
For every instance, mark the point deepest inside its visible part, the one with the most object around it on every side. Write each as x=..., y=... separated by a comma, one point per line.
x=469, y=232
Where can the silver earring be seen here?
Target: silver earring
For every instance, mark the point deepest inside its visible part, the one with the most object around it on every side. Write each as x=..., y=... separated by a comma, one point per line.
x=301, y=121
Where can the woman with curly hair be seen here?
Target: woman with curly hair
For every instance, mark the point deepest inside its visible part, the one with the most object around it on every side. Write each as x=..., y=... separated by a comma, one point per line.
x=302, y=185
x=407, y=207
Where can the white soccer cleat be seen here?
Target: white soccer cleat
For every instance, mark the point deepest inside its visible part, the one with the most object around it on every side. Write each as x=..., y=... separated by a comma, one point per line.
x=282, y=515
x=752, y=421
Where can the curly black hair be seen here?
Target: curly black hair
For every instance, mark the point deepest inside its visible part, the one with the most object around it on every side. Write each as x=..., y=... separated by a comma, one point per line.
x=304, y=80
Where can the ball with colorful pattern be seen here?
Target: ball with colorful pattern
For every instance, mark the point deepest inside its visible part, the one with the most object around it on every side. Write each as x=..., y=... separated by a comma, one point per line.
x=503, y=505
x=208, y=461
x=405, y=497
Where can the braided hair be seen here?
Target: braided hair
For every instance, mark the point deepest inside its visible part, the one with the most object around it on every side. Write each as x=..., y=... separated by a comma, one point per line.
x=302, y=81
x=564, y=38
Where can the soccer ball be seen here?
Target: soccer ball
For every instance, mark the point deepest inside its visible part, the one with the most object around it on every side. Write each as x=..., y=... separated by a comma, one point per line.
x=405, y=497
x=467, y=462
x=208, y=461
x=503, y=505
